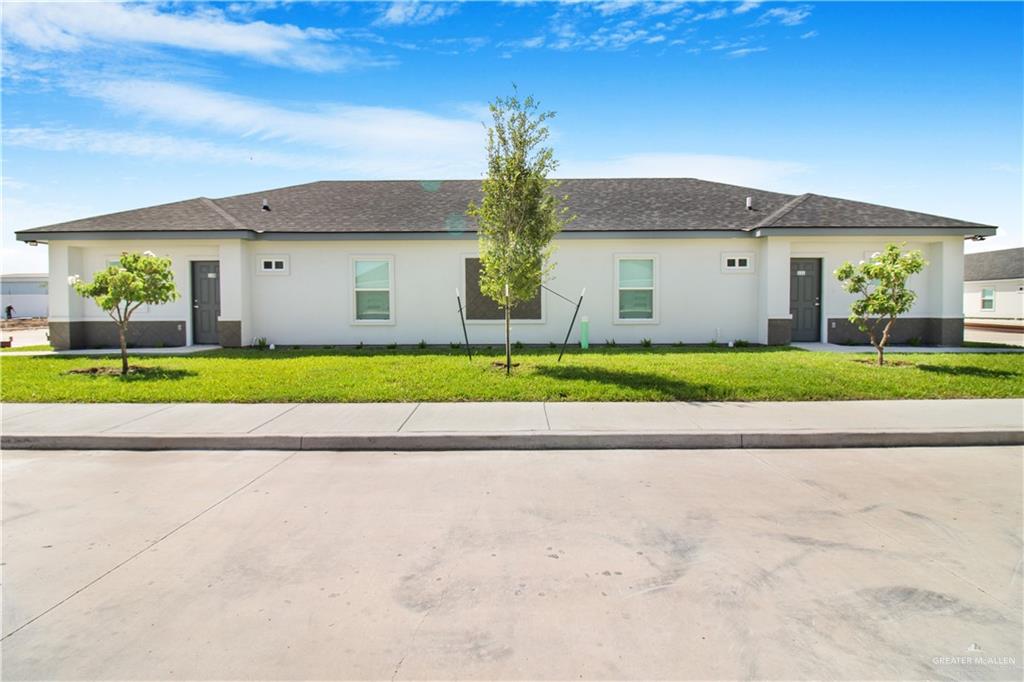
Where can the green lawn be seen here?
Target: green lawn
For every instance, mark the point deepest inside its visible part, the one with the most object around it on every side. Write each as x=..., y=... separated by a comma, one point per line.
x=379, y=374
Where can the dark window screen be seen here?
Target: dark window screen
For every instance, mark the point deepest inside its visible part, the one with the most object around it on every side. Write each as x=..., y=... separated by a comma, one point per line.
x=479, y=307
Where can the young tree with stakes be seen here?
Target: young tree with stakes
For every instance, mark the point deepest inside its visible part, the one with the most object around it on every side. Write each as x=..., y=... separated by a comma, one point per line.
x=519, y=214
x=881, y=283
x=137, y=279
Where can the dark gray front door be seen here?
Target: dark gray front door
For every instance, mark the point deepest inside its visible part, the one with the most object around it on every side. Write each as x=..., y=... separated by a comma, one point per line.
x=205, y=300
x=805, y=298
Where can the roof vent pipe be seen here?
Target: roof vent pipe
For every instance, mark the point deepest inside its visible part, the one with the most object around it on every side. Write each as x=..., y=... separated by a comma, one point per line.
x=750, y=203
x=266, y=206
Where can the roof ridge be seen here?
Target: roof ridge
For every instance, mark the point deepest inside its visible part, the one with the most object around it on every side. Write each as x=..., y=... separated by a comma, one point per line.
x=775, y=215
x=223, y=213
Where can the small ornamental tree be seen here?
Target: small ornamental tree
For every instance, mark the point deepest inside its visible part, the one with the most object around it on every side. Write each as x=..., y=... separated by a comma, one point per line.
x=137, y=279
x=881, y=284
x=519, y=214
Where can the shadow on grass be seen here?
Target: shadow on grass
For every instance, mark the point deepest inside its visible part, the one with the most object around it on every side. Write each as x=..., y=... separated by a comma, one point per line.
x=969, y=371
x=644, y=382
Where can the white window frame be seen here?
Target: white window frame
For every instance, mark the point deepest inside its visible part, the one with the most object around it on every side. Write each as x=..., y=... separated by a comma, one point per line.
x=391, y=289
x=991, y=299
x=738, y=269
x=654, y=297
x=472, y=321
x=262, y=257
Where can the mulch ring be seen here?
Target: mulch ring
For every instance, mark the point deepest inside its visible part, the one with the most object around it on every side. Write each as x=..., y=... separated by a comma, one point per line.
x=110, y=371
x=888, y=363
x=501, y=365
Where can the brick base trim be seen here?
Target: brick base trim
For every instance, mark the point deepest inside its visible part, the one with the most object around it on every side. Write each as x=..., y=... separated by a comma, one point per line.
x=96, y=334
x=938, y=331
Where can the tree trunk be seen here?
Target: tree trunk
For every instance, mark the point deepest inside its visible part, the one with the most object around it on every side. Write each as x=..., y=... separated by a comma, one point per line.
x=124, y=351
x=508, y=338
x=885, y=339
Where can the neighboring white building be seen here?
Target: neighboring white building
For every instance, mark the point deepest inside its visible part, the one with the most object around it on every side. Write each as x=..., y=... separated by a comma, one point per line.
x=671, y=260
x=994, y=296
x=26, y=293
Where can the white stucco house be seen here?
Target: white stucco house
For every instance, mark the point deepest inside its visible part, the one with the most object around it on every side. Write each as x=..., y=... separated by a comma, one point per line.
x=994, y=296
x=671, y=260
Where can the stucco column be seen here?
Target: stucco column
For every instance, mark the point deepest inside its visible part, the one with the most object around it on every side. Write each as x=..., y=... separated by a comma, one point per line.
x=234, y=325
x=65, y=303
x=947, y=281
x=774, y=320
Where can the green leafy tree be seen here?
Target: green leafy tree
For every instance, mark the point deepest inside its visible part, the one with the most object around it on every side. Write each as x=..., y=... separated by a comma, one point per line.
x=881, y=283
x=137, y=279
x=519, y=214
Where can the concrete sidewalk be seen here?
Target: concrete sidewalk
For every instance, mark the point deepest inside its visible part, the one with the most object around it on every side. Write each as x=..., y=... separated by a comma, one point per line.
x=484, y=426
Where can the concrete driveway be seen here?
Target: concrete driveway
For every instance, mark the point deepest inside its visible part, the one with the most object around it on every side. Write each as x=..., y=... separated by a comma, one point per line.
x=553, y=565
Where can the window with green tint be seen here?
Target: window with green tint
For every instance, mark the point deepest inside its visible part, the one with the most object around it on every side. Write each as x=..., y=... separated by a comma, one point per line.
x=636, y=305
x=988, y=299
x=373, y=274
x=373, y=290
x=373, y=305
x=635, y=288
x=636, y=273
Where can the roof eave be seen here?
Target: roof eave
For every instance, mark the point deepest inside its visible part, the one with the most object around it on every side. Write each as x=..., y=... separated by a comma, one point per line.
x=945, y=230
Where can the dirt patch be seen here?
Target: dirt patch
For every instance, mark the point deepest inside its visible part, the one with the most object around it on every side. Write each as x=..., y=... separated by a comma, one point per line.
x=501, y=365
x=888, y=363
x=23, y=323
x=110, y=371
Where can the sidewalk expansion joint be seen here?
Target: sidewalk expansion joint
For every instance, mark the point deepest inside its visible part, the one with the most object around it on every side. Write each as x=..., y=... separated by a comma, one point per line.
x=276, y=416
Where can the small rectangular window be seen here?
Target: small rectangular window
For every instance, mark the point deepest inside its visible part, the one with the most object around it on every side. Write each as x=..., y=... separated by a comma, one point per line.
x=635, y=288
x=274, y=265
x=988, y=299
x=737, y=262
x=373, y=289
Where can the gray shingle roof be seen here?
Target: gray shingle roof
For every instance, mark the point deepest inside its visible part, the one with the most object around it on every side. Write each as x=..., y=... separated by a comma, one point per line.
x=815, y=210
x=439, y=206
x=988, y=265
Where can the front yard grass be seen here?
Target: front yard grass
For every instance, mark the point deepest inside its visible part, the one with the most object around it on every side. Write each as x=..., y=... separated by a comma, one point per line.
x=434, y=374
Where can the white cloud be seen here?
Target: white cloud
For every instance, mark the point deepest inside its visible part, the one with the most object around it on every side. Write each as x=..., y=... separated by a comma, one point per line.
x=736, y=170
x=76, y=27
x=744, y=51
x=745, y=7
x=175, y=148
x=413, y=12
x=335, y=126
x=809, y=34
x=785, y=15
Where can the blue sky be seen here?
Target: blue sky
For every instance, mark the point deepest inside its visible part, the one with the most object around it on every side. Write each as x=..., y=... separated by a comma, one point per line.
x=108, y=107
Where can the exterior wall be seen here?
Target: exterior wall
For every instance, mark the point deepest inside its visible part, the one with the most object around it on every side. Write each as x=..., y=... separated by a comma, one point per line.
x=161, y=325
x=1008, y=302
x=938, y=308
x=27, y=293
x=696, y=300
x=1004, y=323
